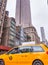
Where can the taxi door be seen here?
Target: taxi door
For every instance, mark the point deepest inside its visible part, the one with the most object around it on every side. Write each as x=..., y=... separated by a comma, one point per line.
x=25, y=55
x=25, y=59
x=12, y=57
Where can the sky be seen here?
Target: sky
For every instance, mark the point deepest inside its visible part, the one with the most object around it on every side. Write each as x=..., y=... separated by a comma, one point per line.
x=39, y=14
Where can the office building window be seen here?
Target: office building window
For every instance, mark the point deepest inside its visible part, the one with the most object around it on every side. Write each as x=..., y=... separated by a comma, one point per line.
x=12, y=29
x=0, y=0
x=0, y=22
x=13, y=34
x=11, y=37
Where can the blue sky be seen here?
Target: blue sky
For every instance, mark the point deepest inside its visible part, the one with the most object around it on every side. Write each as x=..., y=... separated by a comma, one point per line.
x=39, y=14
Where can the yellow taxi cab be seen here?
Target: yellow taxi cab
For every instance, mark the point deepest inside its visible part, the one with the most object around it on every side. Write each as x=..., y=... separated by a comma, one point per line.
x=31, y=54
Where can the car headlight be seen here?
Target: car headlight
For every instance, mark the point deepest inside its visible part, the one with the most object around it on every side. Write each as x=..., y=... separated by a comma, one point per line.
x=1, y=62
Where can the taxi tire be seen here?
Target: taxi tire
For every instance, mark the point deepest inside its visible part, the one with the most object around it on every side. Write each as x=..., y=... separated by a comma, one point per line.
x=2, y=62
x=37, y=62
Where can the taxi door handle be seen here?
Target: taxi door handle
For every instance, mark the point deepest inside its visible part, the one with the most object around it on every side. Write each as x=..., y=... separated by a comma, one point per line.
x=24, y=56
x=10, y=58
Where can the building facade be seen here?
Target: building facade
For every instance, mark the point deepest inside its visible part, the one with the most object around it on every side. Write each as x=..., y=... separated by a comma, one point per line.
x=23, y=13
x=21, y=36
x=2, y=15
x=9, y=32
x=12, y=32
x=31, y=31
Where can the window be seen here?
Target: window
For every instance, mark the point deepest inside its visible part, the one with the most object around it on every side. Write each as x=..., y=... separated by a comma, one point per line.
x=20, y=50
x=12, y=29
x=0, y=0
x=0, y=4
x=31, y=49
x=0, y=22
x=12, y=33
x=11, y=43
x=13, y=51
x=33, y=37
x=11, y=37
x=13, y=22
x=25, y=49
x=37, y=49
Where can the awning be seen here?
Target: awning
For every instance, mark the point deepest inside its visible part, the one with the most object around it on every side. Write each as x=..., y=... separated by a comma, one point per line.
x=4, y=48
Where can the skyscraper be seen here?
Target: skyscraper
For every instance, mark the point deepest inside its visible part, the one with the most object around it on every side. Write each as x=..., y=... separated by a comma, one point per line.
x=2, y=15
x=43, y=35
x=23, y=13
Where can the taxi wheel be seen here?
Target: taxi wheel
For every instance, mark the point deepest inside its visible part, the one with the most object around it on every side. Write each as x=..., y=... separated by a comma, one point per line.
x=2, y=62
x=37, y=62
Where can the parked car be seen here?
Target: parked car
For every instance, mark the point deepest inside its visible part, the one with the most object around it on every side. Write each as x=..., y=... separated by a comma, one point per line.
x=29, y=54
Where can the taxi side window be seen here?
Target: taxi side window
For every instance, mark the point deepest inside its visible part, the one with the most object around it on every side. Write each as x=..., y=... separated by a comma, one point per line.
x=26, y=49
x=37, y=49
x=13, y=51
